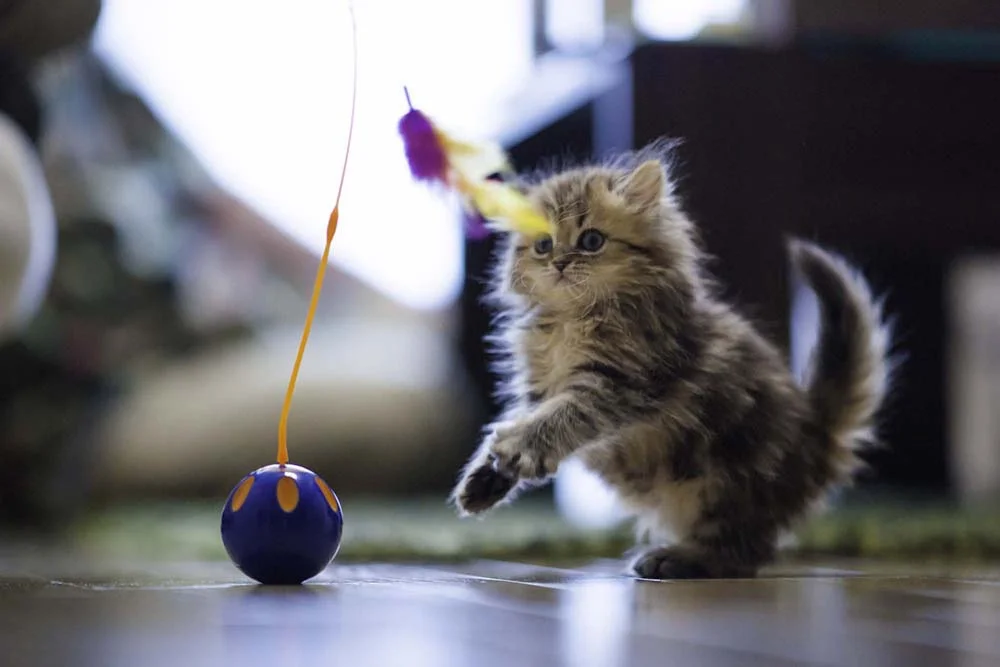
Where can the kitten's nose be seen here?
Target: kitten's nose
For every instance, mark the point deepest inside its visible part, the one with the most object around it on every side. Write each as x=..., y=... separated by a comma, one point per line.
x=562, y=263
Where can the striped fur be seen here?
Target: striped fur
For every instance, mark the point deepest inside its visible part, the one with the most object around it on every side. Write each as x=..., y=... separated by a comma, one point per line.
x=627, y=359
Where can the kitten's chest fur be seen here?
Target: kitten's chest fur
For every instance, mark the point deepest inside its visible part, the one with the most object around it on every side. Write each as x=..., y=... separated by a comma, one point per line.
x=550, y=352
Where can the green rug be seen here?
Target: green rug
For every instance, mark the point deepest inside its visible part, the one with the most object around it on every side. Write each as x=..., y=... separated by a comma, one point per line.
x=532, y=530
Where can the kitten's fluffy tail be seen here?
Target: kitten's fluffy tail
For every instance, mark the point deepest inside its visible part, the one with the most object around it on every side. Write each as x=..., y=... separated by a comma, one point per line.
x=851, y=369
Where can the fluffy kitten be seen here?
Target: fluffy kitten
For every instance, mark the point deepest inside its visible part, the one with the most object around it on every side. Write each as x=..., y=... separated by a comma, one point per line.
x=619, y=353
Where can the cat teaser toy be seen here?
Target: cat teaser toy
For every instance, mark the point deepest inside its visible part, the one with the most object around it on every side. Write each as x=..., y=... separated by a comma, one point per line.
x=471, y=171
x=282, y=524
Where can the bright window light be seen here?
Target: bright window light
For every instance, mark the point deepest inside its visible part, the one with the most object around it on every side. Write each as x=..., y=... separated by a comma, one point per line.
x=260, y=93
x=660, y=19
x=572, y=25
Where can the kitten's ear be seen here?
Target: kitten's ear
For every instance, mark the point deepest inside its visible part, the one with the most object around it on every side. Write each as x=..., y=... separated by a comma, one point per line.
x=646, y=185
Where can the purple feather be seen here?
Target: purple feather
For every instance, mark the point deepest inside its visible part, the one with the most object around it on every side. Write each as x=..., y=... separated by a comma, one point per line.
x=428, y=162
x=475, y=226
x=423, y=150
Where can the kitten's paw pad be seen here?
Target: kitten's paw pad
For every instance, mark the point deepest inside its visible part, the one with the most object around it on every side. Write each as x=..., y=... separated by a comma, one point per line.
x=669, y=563
x=481, y=489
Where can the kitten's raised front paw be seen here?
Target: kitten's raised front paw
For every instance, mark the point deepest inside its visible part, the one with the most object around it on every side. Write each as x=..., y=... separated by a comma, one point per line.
x=482, y=488
x=514, y=456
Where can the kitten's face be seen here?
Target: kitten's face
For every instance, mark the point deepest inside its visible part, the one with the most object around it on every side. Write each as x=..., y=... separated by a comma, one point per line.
x=609, y=237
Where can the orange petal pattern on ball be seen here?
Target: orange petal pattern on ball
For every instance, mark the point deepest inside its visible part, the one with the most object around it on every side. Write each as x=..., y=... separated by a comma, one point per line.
x=242, y=491
x=288, y=493
x=327, y=493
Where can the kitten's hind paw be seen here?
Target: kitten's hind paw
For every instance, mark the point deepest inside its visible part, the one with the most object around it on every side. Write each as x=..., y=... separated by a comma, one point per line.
x=680, y=563
x=668, y=563
x=481, y=489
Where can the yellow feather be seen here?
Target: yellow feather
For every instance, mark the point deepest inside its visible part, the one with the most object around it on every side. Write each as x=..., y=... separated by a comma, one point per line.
x=474, y=161
x=499, y=203
x=502, y=203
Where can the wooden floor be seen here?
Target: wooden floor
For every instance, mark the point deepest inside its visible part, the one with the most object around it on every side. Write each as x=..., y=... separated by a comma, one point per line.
x=486, y=614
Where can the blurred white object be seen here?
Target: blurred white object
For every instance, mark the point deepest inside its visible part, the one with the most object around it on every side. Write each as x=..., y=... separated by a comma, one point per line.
x=974, y=370
x=27, y=229
x=378, y=402
x=682, y=20
x=575, y=25
x=804, y=327
x=584, y=499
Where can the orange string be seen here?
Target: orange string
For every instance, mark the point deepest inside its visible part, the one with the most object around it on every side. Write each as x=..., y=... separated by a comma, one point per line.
x=331, y=229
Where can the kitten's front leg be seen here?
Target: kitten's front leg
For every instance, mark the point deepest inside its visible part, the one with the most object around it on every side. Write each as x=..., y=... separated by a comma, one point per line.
x=592, y=406
x=517, y=451
x=532, y=449
x=529, y=447
x=509, y=455
x=481, y=486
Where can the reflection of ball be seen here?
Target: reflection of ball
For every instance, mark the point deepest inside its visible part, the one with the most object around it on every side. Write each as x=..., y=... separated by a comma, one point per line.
x=282, y=524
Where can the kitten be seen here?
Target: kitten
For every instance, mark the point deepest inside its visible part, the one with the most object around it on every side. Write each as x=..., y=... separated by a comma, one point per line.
x=618, y=352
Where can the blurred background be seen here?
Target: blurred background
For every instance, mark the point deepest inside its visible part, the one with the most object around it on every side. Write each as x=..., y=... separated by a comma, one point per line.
x=166, y=169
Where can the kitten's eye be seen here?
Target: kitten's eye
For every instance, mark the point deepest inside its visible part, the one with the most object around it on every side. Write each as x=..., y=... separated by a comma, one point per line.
x=590, y=241
x=543, y=245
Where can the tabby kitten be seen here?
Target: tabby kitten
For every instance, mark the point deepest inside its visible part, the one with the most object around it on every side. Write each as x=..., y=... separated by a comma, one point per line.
x=618, y=351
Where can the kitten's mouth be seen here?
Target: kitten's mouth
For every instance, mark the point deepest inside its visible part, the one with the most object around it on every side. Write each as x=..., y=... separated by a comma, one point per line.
x=566, y=279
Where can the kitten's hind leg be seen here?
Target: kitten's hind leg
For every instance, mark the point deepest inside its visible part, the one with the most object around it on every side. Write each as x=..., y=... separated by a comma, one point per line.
x=715, y=548
x=670, y=562
x=684, y=562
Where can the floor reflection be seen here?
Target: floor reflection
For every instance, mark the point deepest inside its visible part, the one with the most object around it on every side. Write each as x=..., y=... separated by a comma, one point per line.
x=596, y=618
x=488, y=614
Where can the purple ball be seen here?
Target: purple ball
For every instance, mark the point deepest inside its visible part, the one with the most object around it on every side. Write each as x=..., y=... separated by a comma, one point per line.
x=282, y=524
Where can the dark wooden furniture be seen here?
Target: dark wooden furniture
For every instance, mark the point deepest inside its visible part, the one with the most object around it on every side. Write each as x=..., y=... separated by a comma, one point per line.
x=889, y=155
